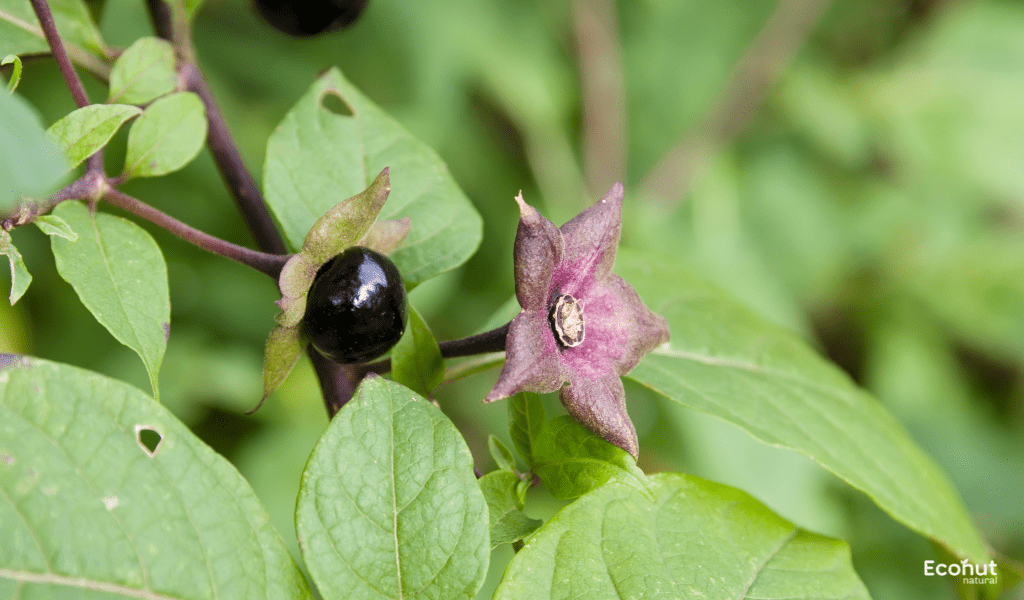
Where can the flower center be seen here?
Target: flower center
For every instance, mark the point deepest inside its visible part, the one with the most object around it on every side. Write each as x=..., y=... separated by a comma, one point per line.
x=567, y=321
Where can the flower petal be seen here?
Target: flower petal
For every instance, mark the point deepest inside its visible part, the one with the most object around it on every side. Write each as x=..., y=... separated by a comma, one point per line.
x=601, y=406
x=646, y=330
x=532, y=362
x=591, y=239
x=538, y=249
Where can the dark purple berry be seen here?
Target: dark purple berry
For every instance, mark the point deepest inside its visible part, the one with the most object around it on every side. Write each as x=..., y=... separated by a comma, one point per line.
x=310, y=17
x=356, y=311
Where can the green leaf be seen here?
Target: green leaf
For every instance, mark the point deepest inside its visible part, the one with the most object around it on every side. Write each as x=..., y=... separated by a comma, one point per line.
x=12, y=59
x=143, y=72
x=120, y=276
x=20, y=277
x=388, y=505
x=284, y=348
x=501, y=454
x=30, y=163
x=84, y=131
x=508, y=522
x=571, y=460
x=21, y=34
x=525, y=418
x=699, y=540
x=54, y=225
x=320, y=154
x=104, y=493
x=726, y=361
x=167, y=136
x=416, y=360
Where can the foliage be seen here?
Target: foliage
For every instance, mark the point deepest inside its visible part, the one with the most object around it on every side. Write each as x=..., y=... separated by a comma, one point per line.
x=838, y=253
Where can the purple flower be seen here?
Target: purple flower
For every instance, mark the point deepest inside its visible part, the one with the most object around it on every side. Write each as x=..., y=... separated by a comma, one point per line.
x=580, y=323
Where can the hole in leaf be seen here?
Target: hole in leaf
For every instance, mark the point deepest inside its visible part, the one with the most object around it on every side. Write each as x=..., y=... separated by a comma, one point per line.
x=335, y=104
x=149, y=439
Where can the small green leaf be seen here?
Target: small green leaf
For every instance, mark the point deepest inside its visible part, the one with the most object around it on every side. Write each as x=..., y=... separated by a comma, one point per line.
x=501, y=454
x=389, y=506
x=416, y=360
x=571, y=460
x=525, y=418
x=284, y=348
x=120, y=276
x=143, y=72
x=30, y=163
x=508, y=522
x=318, y=155
x=54, y=225
x=167, y=136
x=12, y=59
x=700, y=540
x=20, y=32
x=84, y=131
x=726, y=361
x=105, y=494
x=20, y=277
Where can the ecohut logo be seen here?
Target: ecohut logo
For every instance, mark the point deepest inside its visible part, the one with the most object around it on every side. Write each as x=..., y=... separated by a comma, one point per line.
x=972, y=573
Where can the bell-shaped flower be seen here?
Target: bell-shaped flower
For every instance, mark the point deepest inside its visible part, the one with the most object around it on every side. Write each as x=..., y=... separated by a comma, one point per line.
x=580, y=324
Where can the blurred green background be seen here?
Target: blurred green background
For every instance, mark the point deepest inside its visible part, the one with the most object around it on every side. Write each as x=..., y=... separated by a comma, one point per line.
x=873, y=203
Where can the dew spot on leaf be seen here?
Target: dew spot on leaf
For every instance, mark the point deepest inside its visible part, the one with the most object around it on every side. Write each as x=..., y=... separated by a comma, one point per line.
x=332, y=102
x=111, y=502
x=149, y=439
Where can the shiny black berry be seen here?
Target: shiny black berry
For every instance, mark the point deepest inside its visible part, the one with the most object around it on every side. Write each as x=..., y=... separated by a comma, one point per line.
x=355, y=311
x=310, y=17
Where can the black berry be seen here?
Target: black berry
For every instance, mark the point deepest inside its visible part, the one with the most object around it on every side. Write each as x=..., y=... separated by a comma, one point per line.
x=310, y=17
x=356, y=311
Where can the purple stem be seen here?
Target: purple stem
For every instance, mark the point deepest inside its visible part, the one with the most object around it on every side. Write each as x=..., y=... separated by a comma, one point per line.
x=45, y=17
x=271, y=264
x=488, y=341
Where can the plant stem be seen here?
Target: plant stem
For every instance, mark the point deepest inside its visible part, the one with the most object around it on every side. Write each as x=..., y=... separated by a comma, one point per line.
x=271, y=264
x=236, y=177
x=488, y=341
x=337, y=384
x=45, y=17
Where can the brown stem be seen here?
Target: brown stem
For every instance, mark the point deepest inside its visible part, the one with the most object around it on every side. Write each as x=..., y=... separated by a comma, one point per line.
x=752, y=79
x=338, y=384
x=604, y=93
x=271, y=264
x=229, y=162
x=45, y=17
x=488, y=341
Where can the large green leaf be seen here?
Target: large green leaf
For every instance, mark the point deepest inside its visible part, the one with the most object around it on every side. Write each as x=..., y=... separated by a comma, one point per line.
x=84, y=131
x=726, y=361
x=105, y=494
x=120, y=276
x=167, y=136
x=20, y=32
x=389, y=506
x=700, y=540
x=333, y=143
